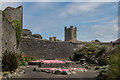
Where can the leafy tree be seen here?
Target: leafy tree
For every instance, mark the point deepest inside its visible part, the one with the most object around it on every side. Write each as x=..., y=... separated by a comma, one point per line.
x=97, y=40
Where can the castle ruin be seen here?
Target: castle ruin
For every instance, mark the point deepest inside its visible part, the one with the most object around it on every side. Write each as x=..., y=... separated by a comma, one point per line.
x=28, y=33
x=71, y=34
x=33, y=44
x=14, y=13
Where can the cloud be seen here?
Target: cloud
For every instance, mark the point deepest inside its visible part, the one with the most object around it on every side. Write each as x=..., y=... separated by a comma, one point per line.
x=100, y=20
x=105, y=32
x=79, y=8
x=44, y=20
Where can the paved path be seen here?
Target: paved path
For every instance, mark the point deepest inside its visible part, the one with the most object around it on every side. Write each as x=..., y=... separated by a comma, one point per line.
x=33, y=74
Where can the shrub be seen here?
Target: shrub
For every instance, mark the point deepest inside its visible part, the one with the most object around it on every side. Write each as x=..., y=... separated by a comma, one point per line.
x=86, y=51
x=92, y=53
x=114, y=69
x=102, y=50
x=18, y=27
x=97, y=40
x=58, y=40
x=77, y=55
x=23, y=63
x=26, y=59
x=10, y=60
x=29, y=58
x=3, y=12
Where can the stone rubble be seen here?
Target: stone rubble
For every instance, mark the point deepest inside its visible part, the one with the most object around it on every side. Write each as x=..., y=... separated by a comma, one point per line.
x=60, y=70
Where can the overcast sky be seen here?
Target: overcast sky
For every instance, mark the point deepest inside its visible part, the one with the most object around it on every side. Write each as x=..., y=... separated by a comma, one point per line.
x=94, y=20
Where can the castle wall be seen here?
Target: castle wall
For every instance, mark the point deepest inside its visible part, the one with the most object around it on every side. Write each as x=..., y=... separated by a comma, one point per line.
x=46, y=49
x=50, y=49
x=8, y=35
x=36, y=47
x=8, y=31
x=26, y=32
x=14, y=13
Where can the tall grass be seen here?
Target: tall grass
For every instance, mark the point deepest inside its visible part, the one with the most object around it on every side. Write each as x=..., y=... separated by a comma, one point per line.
x=10, y=60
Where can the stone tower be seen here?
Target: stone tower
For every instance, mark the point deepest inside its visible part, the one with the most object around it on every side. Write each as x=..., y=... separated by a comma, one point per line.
x=71, y=34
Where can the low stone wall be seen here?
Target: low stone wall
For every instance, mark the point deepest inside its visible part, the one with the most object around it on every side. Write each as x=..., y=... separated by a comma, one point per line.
x=46, y=49
x=50, y=49
x=54, y=65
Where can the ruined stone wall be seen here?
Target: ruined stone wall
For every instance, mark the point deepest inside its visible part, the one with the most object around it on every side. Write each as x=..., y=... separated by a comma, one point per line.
x=14, y=13
x=8, y=31
x=50, y=49
x=8, y=35
x=26, y=32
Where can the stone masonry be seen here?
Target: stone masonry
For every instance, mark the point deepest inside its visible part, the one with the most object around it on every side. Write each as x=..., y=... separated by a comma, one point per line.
x=38, y=36
x=8, y=31
x=71, y=34
x=14, y=13
x=28, y=33
x=47, y=49
x=8, y=35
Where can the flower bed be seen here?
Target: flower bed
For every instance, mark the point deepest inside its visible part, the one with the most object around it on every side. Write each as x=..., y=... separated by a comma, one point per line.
x=61, y=71
x=52, y=61
x=57, y=67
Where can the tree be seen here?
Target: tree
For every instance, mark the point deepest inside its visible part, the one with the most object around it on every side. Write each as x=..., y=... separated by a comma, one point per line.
x=97, y=40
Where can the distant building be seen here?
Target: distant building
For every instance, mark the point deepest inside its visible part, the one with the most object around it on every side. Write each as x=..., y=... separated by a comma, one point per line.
x=71, y=34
